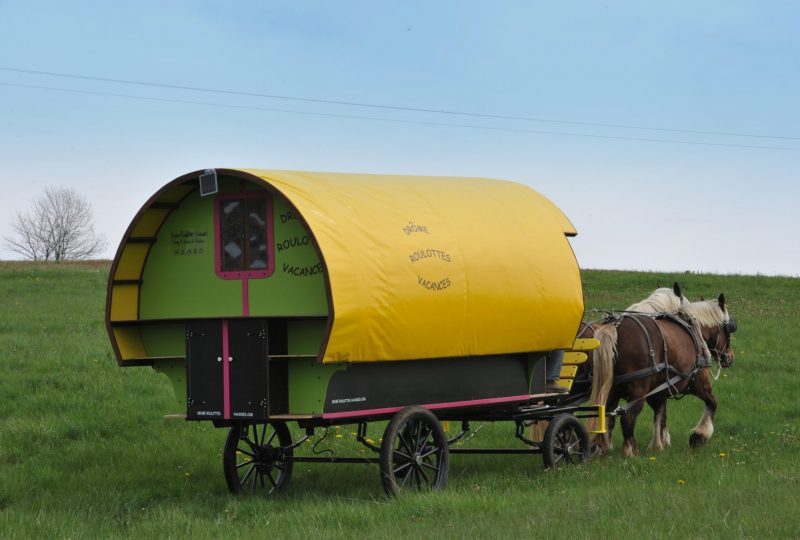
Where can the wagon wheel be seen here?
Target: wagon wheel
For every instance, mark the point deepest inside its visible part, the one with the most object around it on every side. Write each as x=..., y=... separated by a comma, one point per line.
x=414, y=452
x=566, y=442
x=256, y=459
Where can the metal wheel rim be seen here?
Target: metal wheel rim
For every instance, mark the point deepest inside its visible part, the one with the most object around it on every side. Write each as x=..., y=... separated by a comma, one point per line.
x=416, y=458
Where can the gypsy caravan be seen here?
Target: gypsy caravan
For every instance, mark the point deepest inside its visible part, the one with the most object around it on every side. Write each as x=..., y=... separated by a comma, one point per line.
x=269, y=297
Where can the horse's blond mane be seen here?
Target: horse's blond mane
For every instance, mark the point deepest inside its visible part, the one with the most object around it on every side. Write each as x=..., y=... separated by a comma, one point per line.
x=706, y=312
x=660, y=301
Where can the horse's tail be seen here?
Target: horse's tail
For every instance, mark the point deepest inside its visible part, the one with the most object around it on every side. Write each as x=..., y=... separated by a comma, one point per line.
x=602, y=367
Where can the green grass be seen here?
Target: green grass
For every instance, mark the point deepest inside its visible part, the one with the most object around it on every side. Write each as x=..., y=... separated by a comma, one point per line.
x=85, y=452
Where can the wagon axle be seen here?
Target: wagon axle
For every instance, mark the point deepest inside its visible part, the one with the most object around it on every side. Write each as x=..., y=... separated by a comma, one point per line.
x=414, y=454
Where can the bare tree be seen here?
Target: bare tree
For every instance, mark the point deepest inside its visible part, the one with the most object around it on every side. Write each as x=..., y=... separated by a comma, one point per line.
x=59, y=227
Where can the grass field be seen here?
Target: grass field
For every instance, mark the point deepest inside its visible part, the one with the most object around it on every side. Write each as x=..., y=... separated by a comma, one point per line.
x=86, y=453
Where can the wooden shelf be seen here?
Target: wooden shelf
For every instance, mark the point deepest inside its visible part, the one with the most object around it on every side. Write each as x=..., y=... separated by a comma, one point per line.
x=148, y=360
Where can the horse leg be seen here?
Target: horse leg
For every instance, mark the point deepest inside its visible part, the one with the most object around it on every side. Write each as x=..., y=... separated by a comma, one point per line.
x=628, y=421
x=660, y=438
x=701, y=387
x=665, y=437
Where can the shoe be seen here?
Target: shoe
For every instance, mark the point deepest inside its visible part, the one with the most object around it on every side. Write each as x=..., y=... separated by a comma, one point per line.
x=553, y=388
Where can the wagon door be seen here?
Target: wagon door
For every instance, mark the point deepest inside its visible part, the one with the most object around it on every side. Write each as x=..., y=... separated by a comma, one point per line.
x=248, y=372
x=227, y=369
x=204, y=367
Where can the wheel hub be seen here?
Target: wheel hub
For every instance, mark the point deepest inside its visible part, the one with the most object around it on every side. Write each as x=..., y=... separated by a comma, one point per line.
x=265, y=458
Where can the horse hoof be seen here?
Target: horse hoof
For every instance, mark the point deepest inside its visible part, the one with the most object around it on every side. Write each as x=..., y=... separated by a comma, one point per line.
x=696, y=440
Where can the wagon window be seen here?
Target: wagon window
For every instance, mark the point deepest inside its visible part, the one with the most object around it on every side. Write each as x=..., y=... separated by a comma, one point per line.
x=243, y=234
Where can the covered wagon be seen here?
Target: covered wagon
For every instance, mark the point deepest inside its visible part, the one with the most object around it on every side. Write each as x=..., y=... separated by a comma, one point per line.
x=270, y=297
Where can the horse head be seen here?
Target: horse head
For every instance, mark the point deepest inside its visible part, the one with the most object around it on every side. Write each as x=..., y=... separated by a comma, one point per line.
x=712, y=320
x=722, y=342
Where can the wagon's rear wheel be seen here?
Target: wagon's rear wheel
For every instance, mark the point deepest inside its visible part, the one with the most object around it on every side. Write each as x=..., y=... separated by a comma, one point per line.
x=414, y=452
x=256, y=457
x=566, y=442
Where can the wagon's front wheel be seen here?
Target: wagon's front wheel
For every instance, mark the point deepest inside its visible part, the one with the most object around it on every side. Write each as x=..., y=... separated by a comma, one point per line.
x=257, y=458
x=414, y=452
x=566, y=442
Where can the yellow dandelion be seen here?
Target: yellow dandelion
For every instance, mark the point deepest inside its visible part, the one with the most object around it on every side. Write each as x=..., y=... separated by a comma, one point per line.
x=353, y=433
x=652, y=458
x=338, y=436
x=370, y=441
x=187, y=474
x=722, y=454
x=681, y=482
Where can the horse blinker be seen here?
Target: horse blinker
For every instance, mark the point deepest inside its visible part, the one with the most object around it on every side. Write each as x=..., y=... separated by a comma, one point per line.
x=730, y=326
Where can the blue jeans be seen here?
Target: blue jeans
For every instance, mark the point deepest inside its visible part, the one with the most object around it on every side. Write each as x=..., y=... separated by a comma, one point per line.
x=554, y=361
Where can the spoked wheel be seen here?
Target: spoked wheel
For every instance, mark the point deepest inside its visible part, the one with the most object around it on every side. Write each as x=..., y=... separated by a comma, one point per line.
x=414, y=452
x=566, y=442
x=255, y=459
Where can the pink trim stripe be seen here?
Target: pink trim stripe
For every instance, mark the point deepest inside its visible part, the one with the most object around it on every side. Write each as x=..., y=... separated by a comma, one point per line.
x=433, y=407
x=217, y=247
x=226, y=373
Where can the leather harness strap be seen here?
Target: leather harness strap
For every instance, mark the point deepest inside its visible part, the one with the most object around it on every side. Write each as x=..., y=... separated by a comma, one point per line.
x=701, y=361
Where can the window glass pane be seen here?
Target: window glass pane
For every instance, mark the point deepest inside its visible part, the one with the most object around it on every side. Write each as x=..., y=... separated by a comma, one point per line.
x=256, y=233
x=232, y=234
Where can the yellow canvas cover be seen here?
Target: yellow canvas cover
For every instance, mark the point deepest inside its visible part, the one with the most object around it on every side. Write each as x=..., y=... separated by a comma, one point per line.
x=432, y=267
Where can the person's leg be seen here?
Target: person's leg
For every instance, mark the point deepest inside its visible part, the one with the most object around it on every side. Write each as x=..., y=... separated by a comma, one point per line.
x=553, y=371
x=554, y=361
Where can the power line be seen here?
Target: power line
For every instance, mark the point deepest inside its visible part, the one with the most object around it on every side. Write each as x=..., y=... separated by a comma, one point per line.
x=388, y=107
x=395, y=120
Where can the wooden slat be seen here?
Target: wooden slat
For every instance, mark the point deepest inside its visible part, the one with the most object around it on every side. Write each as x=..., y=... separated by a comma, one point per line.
x=131, y=261
x=124, y=301
x=127, y=282
x=568, y=372
x=155, y=358
x=585, y=344
x=574, y=358
x=150, y=221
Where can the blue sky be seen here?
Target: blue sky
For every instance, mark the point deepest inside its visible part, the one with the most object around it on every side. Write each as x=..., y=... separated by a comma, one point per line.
x=670, y=206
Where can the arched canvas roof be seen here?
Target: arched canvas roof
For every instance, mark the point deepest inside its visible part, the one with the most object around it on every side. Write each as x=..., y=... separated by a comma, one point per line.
x=423, y=267
x=430, y=267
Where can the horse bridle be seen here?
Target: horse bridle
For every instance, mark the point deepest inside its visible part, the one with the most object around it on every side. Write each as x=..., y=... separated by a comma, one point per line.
x=728, y=327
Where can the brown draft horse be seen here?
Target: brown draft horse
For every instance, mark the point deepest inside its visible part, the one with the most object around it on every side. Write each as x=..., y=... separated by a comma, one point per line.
x=651, y=357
